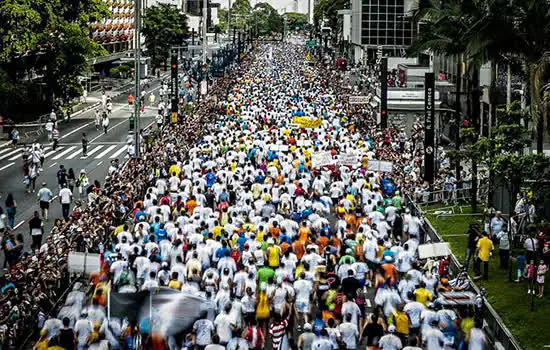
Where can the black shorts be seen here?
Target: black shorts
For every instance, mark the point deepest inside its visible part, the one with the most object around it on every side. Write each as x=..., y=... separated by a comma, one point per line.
x=44, y=205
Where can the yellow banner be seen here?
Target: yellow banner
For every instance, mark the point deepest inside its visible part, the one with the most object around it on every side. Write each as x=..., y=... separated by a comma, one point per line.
x=307, y=123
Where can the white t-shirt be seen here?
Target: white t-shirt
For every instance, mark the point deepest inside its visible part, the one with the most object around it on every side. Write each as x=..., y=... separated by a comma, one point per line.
x=477, y=339
x=303, y=289
x=203, y=329
x=390, y=342
x=223, y=327
x=65, y=194
x=349, y=333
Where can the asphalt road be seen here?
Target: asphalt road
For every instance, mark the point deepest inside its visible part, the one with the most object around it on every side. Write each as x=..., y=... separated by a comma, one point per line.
x=102, y=148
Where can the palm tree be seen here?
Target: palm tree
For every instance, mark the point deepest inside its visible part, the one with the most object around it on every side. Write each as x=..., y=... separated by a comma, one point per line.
x=445, y=30
x=519, y=30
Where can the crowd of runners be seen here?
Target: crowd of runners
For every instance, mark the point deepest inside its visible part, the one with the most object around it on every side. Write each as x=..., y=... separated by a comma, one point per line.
x=263, y=205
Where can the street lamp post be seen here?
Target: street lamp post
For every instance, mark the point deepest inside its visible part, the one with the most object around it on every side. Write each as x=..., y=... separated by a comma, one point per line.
x=137, y=62
x=204, y=29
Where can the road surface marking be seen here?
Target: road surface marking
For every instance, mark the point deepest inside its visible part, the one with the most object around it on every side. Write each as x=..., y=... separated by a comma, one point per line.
x=102, y=154
x=54, y=198
x=368, y=303
x=95, y=150
x=21, y=155
x=100, y=163
x=7, y=150
x=54, y=163
x=7, y=166
x=11, y=153
x=110, y=128
x=52, y=152
x=64, y=152
x=19, y=224
x=75, y=154
x=114, y=155
x=75, y=130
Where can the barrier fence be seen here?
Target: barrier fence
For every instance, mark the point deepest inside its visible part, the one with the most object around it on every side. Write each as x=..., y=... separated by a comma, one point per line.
x=498, y=334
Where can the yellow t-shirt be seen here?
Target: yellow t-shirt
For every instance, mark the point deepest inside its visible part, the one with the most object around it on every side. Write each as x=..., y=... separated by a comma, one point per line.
x=217, y=231
x=174, y=284
x=273, y=256
x=174, y=169
x=423, y=296
x=485, y=246
x=401, y=322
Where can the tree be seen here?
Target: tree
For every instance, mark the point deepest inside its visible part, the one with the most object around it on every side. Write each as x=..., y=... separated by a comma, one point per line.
x=503, y=153
x=327, y=10
x=267, y=19
x=296, y=20
x=240, y=12
x=49, y=38
x=163, y=26
x=222, y=16
x=446, y=31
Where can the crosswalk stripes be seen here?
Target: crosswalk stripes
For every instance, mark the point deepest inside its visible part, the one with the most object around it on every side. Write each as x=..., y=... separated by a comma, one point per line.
x=102, y=154
x=74, y=154
x=20, y=155
x=6, y=155
x=69, y=152
x=64, y=152
x=52, y=152
x=116, y=154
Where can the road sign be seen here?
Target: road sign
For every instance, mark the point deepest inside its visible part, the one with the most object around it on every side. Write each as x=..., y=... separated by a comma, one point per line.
x=358, y=100
x=311, y=44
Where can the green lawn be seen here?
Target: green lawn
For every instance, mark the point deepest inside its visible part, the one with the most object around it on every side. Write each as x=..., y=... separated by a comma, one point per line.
x=509, y=299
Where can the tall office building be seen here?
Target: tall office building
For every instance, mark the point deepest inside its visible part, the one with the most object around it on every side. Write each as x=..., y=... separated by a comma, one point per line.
x=382, y=24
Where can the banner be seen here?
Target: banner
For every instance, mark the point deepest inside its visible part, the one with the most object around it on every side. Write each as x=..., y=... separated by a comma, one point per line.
x=433, y=250
x=350, y=159
x=304, y=122
x=379, y=165
x=359, y=100
x=83, y=262
x=321, y=159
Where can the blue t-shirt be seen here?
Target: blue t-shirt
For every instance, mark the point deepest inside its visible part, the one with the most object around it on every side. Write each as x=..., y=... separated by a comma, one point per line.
x=318, y=326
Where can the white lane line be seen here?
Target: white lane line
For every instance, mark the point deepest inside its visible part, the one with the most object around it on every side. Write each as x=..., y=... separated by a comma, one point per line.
x=19, y=224
x=64, y=152
x=7, y=166
x=100, y=163
x=95, y=150
x=7, y=150
x=75, y=130
x=114, y=155
x=102, y=154
x=52, y=152
x=54, y=198
x=21, y=155
x=75, y=154
x=11, y=153
x=110, y=128
x=54, y=163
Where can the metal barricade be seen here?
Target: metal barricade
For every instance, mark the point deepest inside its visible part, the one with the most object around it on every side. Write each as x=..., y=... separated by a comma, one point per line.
x=499, y=335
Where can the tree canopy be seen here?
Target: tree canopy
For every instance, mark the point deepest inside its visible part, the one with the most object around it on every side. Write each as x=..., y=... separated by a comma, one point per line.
x=163, y=26
x=267, y=18
x=44, y=46
x=296, y=20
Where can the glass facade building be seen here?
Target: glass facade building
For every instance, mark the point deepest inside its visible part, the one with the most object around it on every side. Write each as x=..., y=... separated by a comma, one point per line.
x=386, y=23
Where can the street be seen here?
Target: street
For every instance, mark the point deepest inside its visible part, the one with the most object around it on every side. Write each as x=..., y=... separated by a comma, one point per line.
x=102, y=148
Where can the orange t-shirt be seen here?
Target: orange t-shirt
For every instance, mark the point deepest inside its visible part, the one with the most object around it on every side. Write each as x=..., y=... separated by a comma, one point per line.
x=390, y=271
x=299, y=250
x=322, y=242
x=284, y=247
x=274, y=232
x=191, y=205
x=304, y=233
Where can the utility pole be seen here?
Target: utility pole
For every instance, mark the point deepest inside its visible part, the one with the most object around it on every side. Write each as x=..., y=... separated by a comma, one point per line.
x=137, y=63
x=204, y=29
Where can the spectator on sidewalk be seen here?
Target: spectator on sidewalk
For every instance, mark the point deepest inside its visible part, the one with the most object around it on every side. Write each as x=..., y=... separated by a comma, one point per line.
x=484, y=249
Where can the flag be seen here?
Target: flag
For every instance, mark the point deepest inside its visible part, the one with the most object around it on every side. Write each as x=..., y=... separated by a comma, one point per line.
x=308, y=57
x=127, y=304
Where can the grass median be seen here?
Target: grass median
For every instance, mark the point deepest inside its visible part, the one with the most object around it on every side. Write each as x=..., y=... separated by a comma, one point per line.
x=509, y=299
